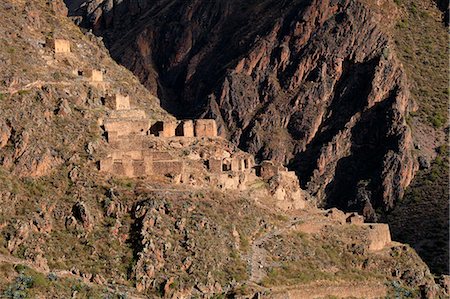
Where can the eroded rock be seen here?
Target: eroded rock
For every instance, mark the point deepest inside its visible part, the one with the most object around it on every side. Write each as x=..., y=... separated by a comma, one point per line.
x=81, y=214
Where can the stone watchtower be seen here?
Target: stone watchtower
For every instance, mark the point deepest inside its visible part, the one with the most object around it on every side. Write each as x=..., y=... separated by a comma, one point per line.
x=60, y=46
x=205, y=128
x=118, y=102
x=124, y=121
x=95, y=76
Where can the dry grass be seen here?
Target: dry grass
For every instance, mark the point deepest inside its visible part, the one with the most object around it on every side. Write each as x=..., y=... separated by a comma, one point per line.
x=422, y=44
x=425, y=205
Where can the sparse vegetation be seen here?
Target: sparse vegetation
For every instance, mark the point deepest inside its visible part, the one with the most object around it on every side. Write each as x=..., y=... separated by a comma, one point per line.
x=23, y=92
x=421, y=42
x=426, y=204
x=438, y=120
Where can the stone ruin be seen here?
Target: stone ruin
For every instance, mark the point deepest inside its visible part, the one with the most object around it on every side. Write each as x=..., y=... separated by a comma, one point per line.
x=236, y=163
x=94, y=75
x=378, y=234
x=118, y=102
x=185, y=128
x=267, y=169
x=205, y=128
x=128, y=129
x=60, y=46
x=95, y=78
x=141, y=163
x=132, y=136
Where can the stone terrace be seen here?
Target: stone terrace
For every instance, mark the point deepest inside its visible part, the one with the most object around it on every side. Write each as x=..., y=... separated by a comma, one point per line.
x=141, y=147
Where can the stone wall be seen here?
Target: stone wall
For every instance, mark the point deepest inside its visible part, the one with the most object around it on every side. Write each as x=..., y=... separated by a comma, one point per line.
x=215, y=165
x=172, y=168
x=60, y=46
x=379, y=235
x=140, y=163
x=130, y=114
x=124, y=143
x=160, y=156
x=266, y=170
x=168, y=129
x=126, y=127
x=118, y=102
x=205, y=128
x=185, y=128
x=94, y=75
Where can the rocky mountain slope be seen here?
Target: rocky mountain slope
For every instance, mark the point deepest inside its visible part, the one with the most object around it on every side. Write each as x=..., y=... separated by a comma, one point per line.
x=67, y=230
x=354, y=91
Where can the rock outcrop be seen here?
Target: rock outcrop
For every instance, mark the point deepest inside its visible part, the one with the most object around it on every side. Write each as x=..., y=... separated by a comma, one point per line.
x=320, y=78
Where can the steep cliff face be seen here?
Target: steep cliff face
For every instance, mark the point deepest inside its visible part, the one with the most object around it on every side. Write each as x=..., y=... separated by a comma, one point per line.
x=313, y=84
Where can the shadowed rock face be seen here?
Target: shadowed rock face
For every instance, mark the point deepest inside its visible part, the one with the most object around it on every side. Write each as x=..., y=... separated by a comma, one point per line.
x=312, y=84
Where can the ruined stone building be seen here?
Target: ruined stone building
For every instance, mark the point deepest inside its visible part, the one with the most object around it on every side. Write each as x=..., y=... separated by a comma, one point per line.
x=187, y=151
x=129, y=132
x=59, y=46
x=95, y=75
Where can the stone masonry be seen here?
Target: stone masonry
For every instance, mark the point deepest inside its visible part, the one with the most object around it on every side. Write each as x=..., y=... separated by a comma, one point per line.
x=118, y=102
x=60, y=46
x=205, y=128
x=128, y=128
x=95, y=75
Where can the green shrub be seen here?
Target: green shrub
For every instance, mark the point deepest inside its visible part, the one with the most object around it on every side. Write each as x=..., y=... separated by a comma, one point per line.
x=57, y=75
x=437, y=120
x=402, y=24
x=19, y=288
x=23, y=92
x=413, y=8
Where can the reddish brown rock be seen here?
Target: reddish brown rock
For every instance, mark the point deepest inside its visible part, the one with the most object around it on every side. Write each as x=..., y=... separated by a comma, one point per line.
x=81, y=213
x=34, y=163
x=59, y=7
x=5, y=134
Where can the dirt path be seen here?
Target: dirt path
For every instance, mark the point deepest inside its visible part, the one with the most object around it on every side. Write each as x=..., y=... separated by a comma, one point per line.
x=369, y=290
x=341, y=289
x=257, y=258
x=36, y=84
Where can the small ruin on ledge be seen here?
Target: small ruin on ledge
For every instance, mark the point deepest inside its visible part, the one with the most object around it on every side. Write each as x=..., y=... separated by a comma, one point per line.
x=60, y=46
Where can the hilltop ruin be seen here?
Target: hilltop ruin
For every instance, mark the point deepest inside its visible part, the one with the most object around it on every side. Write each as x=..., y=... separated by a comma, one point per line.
x=187, y=151
x=130, y=133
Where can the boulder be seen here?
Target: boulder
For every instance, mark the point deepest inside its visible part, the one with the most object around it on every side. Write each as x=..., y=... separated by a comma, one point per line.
x=5, y=134
x=424, y=163
x=81, y=214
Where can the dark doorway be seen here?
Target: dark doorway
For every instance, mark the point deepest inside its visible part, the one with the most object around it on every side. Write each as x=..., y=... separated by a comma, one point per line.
x=156, y=128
